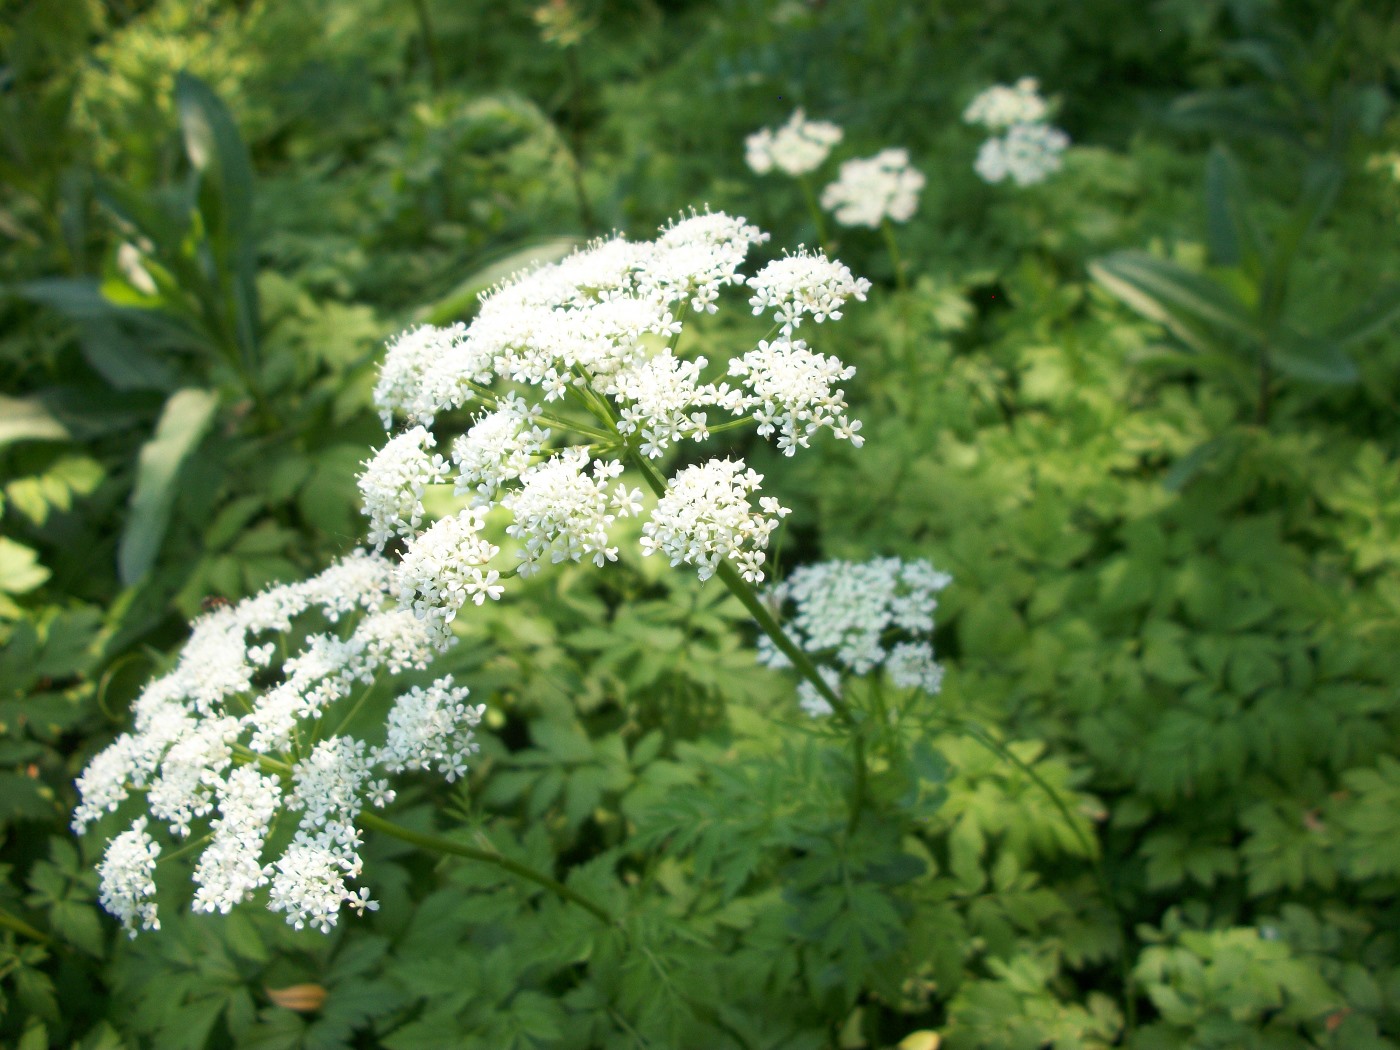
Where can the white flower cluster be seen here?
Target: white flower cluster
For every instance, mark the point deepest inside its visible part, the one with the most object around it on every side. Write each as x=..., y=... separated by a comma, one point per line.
x=1001, y=105
x=587, y=348
x=866, y=192
x=705, y=517
x=870, y=190
x=863, y=616
x=798, y=147
x=1029, y=149
x=220, y=739
x=805, y=283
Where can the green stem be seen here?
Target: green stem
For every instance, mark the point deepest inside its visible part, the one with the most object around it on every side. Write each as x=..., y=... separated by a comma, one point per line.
x=815, y=210
x=1088, y=845
x=430, y=45
x=440, y=844
x=488, y=397
x=904, y=349
x=900, y=278
x=11, y=922
x=748, y=597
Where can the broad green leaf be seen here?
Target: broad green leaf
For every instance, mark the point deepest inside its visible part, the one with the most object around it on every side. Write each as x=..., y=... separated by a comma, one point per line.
x=184, y=422
x=1194, y=308
x=1312, y=357
x=1231, y=232
x=1222, y=228
x=1378, y=314
x=218, y=153
x=461, y=301
x=77, y=298
x=124, y=361
x=1231, y=111
x=22, y=419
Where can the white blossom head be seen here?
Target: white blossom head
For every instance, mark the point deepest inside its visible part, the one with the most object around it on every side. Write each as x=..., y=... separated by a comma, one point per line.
x=798, y=147
x=1027, y=154
x=861, y=617
x=575, y=373
x=873, y=189
x=1002, y=105
x=223, y=743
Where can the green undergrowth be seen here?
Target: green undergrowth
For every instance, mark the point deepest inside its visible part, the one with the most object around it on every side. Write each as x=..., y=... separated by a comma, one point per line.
x=1157, y=803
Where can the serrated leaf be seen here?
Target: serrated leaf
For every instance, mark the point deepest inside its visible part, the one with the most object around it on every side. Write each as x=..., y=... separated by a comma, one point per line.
x=186, y=419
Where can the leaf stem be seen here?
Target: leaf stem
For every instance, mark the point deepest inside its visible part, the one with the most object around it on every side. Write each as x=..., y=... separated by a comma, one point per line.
x=1090, y=847
x=763, y=616
x=816, y=211
x=440, y=844
x=18, y=925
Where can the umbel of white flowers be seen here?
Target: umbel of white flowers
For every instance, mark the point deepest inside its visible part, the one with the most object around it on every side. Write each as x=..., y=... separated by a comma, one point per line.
x=228, y=740
x=871, y=190
x=861, y=616
x=1027, y=149
x=798, y=147
x=575, y=369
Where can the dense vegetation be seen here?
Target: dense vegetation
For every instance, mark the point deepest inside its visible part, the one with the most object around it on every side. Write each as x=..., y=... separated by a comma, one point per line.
x=1144, y=413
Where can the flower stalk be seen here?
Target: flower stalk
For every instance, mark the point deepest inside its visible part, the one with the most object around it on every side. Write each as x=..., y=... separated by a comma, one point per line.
x=440, y=844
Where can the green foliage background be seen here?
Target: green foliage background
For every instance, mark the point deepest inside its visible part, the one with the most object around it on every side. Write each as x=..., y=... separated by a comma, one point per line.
x=1176, y=599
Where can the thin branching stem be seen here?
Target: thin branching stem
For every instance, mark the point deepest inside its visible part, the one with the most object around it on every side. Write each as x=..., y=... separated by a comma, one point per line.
x=1089, y=846
x=763, y=616
x=440, y=844
x=19, y=926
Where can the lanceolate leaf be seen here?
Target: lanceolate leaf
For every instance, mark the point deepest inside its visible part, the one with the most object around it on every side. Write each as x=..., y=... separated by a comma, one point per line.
x=183, y=424
x=1311, y=357
x=460, y=303
x=1194, y=308
x=225, y=200
x=1371, y=319
x=1232, y=236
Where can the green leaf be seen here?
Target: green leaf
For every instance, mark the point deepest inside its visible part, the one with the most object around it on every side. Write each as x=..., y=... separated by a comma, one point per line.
x=218, y=153
x=23, y=419
x=1197, y=310
x=20, y=571
x=1185, y=469
x=184, y=422
x=1222, y=233
x=461, y=301
x=77, y=298
x=1312, y=357
x=1231, y=111
x=1378, y=314
x=1231, y=233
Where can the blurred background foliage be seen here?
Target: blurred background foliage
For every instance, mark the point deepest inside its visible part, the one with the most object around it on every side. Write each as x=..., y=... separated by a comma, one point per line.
x=1144, y=413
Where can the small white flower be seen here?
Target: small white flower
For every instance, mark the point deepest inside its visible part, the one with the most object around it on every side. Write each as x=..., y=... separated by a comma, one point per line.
x=871, y=190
